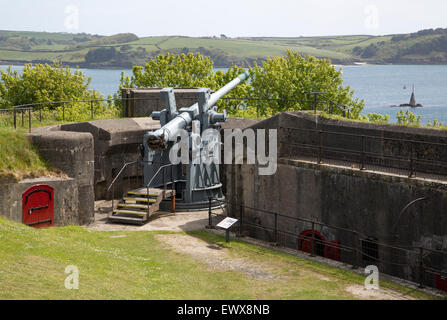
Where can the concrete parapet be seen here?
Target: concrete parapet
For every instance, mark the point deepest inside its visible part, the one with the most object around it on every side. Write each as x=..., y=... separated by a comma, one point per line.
x=116, y=142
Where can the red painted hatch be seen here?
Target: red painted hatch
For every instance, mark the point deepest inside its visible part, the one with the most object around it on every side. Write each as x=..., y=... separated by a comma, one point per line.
x=38, y=206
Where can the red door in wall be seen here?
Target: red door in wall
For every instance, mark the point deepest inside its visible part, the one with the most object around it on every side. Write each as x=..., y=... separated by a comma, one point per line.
x=38, y=206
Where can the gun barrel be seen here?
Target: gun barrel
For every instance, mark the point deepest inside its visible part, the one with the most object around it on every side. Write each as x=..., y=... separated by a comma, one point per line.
x=159, y=138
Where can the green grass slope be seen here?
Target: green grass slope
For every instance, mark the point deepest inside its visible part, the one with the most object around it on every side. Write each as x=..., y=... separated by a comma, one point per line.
x=135, y=265
x=19, y=159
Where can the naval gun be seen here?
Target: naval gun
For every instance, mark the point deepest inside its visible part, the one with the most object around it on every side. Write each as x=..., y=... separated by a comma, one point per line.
x=195, y=182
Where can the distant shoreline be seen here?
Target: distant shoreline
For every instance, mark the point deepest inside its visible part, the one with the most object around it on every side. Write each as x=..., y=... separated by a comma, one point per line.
x=118, y=67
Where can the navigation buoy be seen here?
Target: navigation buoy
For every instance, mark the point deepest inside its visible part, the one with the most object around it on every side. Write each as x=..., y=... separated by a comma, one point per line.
x=412, y=103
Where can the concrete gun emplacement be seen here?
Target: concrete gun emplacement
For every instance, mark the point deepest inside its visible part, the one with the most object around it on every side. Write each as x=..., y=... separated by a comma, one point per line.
x=195, y=183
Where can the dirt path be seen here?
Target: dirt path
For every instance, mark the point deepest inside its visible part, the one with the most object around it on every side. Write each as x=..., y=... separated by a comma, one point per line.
x=218, y=258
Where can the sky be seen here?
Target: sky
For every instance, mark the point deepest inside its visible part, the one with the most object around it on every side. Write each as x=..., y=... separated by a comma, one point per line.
x=234, y=18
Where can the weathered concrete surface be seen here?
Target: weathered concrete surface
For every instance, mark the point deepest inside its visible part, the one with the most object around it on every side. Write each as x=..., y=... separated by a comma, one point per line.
x=384, y=141
x=65, y=199
x=368, y=202
x=162, y=221
x=142, y=102
x=71, y=152
x=116, y=142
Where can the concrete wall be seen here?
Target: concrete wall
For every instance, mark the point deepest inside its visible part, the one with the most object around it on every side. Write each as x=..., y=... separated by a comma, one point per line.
x=142, y=102
x=116, y=142
x=382, y=140
x=367, y=202
x=65, y=199
x=73, y=153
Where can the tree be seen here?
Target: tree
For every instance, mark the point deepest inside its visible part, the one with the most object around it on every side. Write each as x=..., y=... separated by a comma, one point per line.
x=370, y=51
x=290, y=77
x=43, y=83
x=294, y=77
x=101, y=55
x=168, y=70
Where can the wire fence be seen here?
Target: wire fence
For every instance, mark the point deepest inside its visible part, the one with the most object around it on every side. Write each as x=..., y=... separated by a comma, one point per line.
x=424, y=266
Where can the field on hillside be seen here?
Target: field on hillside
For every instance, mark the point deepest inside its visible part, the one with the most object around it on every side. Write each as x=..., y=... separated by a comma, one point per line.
x=160, y=265
x=126, y=50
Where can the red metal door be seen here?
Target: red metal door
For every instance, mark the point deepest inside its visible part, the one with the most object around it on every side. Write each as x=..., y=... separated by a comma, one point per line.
x=38, y=206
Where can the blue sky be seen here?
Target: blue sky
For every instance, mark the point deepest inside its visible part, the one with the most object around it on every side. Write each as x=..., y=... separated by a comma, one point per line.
x=231, y=17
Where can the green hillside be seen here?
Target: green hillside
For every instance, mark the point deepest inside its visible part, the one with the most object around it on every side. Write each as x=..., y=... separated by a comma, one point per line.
x=126, y=49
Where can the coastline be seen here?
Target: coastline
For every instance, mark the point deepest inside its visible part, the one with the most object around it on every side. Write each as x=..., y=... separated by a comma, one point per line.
x=127, y=66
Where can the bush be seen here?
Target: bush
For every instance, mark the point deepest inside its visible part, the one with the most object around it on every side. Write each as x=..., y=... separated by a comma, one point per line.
x=378, y=118
x=408, y=118
x=43, y=83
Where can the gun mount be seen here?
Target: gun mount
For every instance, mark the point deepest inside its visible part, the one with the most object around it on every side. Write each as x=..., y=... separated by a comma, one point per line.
x=195, y=181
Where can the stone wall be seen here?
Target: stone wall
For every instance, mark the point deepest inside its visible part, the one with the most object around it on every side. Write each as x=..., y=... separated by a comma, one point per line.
x=65, y=199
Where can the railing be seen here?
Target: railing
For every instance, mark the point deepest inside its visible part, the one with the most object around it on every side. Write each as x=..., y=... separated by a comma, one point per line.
x=425, y=266
x=120, y=175
x=163, y=169
x=329, y=105
x=138, y=163
x=367, y=151
x=36, y=111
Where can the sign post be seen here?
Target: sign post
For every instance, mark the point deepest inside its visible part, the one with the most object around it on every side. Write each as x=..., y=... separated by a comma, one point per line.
x=226, y=224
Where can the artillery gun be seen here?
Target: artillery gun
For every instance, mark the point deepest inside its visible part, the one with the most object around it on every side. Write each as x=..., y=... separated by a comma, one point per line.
x=195, y=181
x=192, y=137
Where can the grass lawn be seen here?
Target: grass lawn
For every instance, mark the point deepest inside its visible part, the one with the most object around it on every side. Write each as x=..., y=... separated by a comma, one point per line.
x=19, y=159
x=138, y=265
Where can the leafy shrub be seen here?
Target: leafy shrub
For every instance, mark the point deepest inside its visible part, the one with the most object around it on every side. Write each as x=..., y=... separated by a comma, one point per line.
x=408, y=118
x=43, y=83
x=378, y=118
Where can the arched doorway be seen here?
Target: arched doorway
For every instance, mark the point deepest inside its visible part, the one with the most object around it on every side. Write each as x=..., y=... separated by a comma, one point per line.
x=305, y=242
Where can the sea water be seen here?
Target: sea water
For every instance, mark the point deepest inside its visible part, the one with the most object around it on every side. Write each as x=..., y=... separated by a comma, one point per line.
x=379, y=85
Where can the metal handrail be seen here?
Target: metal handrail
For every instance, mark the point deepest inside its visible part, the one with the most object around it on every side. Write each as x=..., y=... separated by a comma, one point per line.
x=158, y=171
x=163, y=167
x=121, y=171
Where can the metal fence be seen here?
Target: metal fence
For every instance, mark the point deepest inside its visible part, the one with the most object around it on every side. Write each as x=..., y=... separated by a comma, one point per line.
x=24, y=115
x=366, y=151
x=420, y=265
